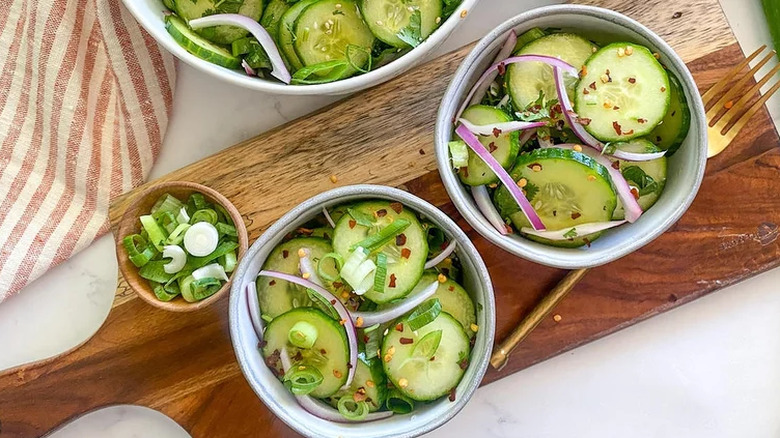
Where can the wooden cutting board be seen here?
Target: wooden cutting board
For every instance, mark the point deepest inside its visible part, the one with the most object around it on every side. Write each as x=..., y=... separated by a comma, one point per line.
x=183, y=364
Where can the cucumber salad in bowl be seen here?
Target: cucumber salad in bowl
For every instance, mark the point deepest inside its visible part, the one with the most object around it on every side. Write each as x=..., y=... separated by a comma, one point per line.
x=563, y=138
x=361, y=313
x=303, y=41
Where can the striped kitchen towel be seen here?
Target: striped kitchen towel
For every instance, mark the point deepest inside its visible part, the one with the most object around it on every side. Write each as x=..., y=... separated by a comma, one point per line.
x=85, y=96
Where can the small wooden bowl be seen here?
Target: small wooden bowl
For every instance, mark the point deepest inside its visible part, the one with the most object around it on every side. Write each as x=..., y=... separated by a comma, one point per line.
x=129, y=224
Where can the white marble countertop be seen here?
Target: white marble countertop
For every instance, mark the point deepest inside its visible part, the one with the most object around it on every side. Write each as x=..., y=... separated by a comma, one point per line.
x=708, y=369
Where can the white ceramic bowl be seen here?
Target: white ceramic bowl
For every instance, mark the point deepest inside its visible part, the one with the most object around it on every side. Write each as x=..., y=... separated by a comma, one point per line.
x=425, y=417
x=685, y=168
x=149, y=14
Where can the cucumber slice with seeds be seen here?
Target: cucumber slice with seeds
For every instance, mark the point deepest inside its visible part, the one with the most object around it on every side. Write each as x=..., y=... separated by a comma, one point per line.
x=565, y=187
x=524, y=80
x=279, y=296
x=426, y=378
x=453, y=299
x=637, y=174
x=286, y=33
x=624, y=93
x=386, y=18
x=199, y=46
x=324, y=32
x=192, y=9
x=329, y=354
x=671, y=133
x=403, y=273
x=504, y=148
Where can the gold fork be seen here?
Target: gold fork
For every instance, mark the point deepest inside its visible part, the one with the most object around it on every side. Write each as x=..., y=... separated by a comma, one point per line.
x=725, y=118
x=722, y=126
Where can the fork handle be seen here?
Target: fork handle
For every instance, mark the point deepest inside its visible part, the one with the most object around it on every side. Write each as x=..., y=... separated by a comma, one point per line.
x=526, y=326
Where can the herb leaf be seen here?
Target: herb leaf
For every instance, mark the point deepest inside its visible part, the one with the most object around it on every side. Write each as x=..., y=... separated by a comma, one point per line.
x=531, y=190
x=412, y=34
x=570, y=234
x=449, y=7
x=361, y=218
x=644, y=182
x=426, y=347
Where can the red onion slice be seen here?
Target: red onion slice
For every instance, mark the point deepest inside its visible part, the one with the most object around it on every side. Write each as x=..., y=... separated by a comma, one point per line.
x=549, y=60
x=582, y=133
x=502, y=127
x=443, y=255
x=473, y=142
x=349, y=326
x=503, y=53
x=396, y=310
x=279, y=69
x=253, y=304
x=581, y=230
x=306, y=267
x=526, y=135
x=328, y=218
x=249, y=70
x=633, y=210
x=322, y=410
x=482, y=199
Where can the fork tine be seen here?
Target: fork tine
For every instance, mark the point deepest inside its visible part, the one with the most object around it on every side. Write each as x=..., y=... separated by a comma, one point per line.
x=734, y=130
x=743, y=102
x=737, y=87
x=715, y=89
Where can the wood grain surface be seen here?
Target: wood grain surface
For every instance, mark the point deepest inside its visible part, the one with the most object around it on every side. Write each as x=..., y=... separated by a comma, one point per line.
x=183, y=364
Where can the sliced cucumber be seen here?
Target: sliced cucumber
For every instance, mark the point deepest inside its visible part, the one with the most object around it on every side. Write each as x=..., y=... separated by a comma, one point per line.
x=625, y=92
x=425, y=377
x=192, y=9
x=286, y=35
x=524, y=80
x=169, y=4
x=504, y=147
x=371, y=380
x=199, y=46
x=279, y=296
x=331, y=30
x=565, y=187
x=671, y=133
x=273, y=15
x=329, y=354
x=648, y=177
x=387, y=18
x=527, y=37
x=453, y=298
x=402, y=272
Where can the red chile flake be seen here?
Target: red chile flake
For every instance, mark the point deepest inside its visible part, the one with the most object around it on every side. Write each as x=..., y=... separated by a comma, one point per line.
x=366, y=339
x=632, y=80
x=584, y=121
x=575, y=215
x=592, y=85
x=587, y=241
x=262, y=344
x=397, y=206
x=433, y=358
x=464, y=363
x=352, y=223
x=381, y=213
x=629, y=132
x=635, y=192
x=272, y=282
x=452, y=288
x=399, y=327
x=400, y=240
x=585, y=91
x=338, y=284
x=333, y=302
x=492, y=146
x=496, y=132
x=465, y=170
x=422, y=151
x=616, y=165
x=617, y=128
x=452, y=395
x=641, y=121
x=323, y=351
x=501, y=69
x=406, y=341
x=406, y=252
x=392, y=281
x=285, y=253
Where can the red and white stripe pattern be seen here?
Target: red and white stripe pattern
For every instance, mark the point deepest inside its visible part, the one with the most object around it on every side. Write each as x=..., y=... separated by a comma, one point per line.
x=85, y=96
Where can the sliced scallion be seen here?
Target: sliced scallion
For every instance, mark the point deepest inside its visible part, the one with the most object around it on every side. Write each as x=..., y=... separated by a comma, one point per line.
x=161, y=293
x=201, y=239
x=205, y=287
x=204, y=215
x=154, y=231
x=183, y=217
x=229, y=261
x=185, y=287
x=376, y=241
x=352, y=410
x=167, y=202
x=337, y=259
x=214, y=270
x=198, y=201
x=226, y=229
x=155, y=271
x=302, y=378
x=399, y=403
x=424, y=314
x=426, y=347
x=303, y=334
x=361, y=218
x=381, y=273
x=139, y=251
x=177, y=235
x=222, y=249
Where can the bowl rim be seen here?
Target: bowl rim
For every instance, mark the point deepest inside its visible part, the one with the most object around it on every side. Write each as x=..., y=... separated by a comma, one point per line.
x=128, y=224
x=367, y=191
x=543, y=254
x=355, y=83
